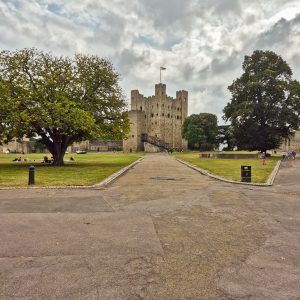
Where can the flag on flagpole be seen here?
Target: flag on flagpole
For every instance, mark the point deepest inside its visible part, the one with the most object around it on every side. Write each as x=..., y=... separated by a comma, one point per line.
x=162, y=68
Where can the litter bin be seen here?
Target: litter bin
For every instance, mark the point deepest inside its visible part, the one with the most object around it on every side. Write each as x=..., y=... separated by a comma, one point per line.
x=246, y=173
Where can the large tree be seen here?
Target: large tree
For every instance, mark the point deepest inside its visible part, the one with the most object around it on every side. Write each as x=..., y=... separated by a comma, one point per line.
x=61, y=100
x=265, y=103
x=201, y=131
x=226, y=137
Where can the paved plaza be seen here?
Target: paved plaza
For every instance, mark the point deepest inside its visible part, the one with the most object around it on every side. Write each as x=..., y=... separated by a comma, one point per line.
x=161, y=231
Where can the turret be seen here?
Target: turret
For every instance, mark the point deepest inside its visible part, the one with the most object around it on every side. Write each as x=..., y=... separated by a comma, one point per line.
x=160, y=91
x=137, y=101
x=182, y=97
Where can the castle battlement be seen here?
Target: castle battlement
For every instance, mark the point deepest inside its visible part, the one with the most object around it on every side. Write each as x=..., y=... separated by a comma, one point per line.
x=159, y=116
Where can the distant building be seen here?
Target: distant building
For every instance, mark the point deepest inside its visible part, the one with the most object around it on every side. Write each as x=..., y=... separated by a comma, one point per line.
x=97, y=146
x=16, y=146
x=156, y=121
x=27, y=146
x=292, y=143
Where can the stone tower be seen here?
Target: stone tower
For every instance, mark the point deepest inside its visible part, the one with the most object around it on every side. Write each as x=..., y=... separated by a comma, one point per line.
x=157, y=120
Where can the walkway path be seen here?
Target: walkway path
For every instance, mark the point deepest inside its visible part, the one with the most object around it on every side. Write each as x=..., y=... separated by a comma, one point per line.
x=162, y=231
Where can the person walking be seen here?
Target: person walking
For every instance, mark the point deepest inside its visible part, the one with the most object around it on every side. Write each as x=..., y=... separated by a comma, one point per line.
x=283, y=155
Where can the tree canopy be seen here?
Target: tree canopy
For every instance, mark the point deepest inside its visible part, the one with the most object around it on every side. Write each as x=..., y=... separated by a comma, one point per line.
x=60, y=99
x=226, y=137
x=265, y=103
x=200, y=131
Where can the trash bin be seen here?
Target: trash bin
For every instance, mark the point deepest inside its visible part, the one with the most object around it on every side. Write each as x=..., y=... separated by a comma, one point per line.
x=246, y=173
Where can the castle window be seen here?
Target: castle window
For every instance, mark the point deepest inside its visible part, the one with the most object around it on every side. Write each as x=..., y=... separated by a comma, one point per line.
x=141, y=108
x=157, y=105
x=152, y=115
x=132, y=136
x=168, y=107
x=163, y=114
x=177, y=117
x=168, y=115
x=157, y=115
x=145, y=116
x=155, y=122
x=163, y=105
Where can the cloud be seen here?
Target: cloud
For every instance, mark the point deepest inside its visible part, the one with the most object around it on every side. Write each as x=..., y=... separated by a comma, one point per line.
x=201, y=43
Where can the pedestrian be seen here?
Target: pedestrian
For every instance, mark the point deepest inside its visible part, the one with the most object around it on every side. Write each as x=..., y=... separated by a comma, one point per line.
x=290, y=155
x=283, y=155
x=294, y=154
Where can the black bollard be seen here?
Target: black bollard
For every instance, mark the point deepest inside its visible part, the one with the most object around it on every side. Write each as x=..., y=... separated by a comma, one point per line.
x=31, y=175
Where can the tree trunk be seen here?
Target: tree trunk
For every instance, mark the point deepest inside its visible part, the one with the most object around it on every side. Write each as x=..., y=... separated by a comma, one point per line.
x=57, y=146
x=58, y=152
x=58, y=159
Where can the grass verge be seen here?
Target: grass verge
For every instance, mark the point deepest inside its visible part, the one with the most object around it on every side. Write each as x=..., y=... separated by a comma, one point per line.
x=231, y=168
x=87, y=169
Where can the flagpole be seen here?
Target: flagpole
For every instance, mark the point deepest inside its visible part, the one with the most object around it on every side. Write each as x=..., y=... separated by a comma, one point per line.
x=160, y=69
x=160, y=75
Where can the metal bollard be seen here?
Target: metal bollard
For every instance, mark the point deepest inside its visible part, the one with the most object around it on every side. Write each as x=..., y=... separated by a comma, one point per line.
x=31, y=175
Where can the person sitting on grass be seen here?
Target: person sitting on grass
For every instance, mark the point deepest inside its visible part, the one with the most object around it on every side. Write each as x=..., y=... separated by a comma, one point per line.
x=46, y=160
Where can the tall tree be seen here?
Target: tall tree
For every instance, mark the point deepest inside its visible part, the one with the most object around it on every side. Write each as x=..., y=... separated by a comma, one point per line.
x=226, y=137
x=265, y=103
x=59, y=99
x=201, y=131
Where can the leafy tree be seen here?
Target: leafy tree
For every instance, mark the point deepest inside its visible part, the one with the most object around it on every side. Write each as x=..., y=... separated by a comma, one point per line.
x=226, y=136
x=265, y=103
x=59, y=99
x=200, y=131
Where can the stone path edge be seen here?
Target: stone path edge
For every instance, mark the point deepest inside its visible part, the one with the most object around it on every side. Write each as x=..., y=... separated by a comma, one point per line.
x=99, y=185
x=269, y=182
x=116, y=175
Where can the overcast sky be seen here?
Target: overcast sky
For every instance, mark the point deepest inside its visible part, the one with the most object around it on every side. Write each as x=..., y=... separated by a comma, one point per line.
x=202, y=43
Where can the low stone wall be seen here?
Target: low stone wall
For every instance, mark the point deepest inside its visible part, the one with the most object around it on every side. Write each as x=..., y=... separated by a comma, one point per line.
x=151, y=148
x=228, y=155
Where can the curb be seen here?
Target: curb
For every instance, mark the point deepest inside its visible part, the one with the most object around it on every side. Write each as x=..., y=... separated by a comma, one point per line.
x=116, y=175
x=101, y=184
x=272, y=176
x=206, y=173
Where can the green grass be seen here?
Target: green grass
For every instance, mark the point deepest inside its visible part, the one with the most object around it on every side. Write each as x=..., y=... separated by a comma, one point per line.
x=87, y=169
x=231, y=168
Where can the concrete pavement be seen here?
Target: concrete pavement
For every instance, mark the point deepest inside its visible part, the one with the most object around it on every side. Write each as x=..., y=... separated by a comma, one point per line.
x=162, y=231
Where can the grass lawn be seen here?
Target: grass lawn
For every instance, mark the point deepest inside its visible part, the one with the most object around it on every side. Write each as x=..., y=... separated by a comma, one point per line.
x=87, y=169
x=231, y=168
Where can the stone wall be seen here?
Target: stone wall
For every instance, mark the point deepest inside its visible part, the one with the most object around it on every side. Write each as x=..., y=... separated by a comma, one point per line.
x=151, y=148
x=229, y=155
x=137, y=128
x=16, y=147
x=293, y=143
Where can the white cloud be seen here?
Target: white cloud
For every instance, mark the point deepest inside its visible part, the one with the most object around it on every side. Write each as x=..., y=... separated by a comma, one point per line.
x=202, y=43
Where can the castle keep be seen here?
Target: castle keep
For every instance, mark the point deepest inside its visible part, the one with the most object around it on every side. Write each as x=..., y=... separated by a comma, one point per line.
x=156, y=121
